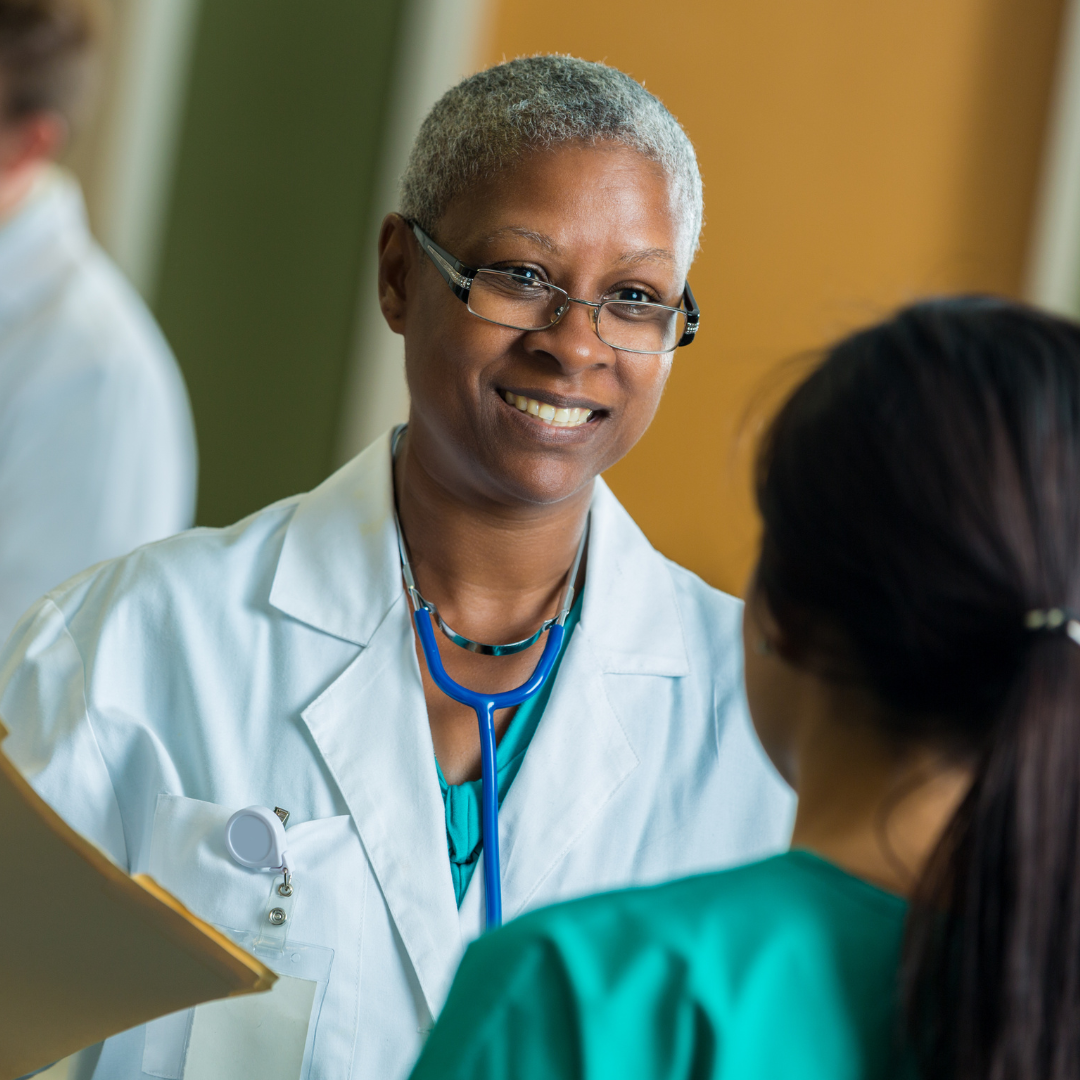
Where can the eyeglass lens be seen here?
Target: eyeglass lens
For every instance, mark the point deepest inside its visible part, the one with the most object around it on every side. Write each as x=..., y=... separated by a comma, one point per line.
x=524, y=304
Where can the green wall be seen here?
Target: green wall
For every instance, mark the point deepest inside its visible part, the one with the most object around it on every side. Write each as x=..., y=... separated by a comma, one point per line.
x=268, y=218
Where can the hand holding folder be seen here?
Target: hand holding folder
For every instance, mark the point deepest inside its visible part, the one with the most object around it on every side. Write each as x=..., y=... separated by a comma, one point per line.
x=86, y=950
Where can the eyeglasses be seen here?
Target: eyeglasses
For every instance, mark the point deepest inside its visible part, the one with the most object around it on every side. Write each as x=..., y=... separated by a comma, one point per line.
x=519, y=302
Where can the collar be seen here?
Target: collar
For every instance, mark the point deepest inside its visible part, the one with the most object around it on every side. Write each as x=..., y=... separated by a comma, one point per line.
x=630, y=613
x=339, y=571
x=40, y=244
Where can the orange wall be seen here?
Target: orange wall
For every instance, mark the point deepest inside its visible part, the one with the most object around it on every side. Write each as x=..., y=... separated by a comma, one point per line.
x=856, y=154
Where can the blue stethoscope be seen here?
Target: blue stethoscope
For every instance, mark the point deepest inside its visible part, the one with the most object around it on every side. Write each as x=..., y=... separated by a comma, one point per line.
x=486, y=704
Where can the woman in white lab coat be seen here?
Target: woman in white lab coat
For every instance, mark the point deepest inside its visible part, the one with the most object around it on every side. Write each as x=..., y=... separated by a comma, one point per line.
x=275, y=662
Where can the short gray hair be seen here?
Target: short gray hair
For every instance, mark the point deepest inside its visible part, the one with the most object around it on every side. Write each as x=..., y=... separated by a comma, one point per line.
x=490, y=119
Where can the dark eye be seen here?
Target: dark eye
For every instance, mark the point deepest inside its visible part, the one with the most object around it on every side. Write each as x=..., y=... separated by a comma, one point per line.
x=528, y=273
x=632, y=296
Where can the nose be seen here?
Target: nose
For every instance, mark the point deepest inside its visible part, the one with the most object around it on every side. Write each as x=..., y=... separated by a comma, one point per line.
x=572, y=342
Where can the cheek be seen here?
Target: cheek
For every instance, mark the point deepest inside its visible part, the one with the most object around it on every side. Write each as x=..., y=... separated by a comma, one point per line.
x=445, y=349
x=644, y=379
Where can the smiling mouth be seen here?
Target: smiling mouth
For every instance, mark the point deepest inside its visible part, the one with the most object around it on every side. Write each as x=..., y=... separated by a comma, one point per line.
x=548, y=414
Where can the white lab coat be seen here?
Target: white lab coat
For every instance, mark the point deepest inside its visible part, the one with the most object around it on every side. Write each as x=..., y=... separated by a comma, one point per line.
x=97, y=448
x=273, y=663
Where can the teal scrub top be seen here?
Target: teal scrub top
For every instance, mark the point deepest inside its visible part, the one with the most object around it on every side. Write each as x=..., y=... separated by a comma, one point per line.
x=464, y=840
x=783, y=969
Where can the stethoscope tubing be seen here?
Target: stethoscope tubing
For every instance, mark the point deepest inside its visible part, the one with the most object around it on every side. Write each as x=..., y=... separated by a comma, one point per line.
x=485, y=706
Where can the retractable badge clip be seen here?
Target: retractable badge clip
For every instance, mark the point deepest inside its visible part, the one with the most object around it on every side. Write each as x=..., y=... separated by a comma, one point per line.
x=255, y=838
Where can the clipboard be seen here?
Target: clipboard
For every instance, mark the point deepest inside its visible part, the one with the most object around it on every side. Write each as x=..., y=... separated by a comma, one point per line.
x=86, y=950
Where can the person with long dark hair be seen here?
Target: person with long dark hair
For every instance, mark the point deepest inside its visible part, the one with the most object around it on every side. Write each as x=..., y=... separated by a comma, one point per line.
x=912, y=641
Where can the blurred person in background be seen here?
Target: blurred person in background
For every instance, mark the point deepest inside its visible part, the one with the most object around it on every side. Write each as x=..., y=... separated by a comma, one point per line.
x=912, y=643
x=97, y=447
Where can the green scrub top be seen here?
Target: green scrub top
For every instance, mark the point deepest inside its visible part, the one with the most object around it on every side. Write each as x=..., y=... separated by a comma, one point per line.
x=786, y=969
x=462, y=801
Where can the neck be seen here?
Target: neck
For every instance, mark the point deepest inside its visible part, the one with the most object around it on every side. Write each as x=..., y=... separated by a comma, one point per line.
x=494, y=570
x=16, y=186
x=874, y=809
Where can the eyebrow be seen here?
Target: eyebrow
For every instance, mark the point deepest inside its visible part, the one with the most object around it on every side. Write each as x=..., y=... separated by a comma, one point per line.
x=629, y=258
x=634, y=258
x=526, y=234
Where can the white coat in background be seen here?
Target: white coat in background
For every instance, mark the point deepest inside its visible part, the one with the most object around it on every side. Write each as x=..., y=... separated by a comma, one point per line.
x=274, y=663
x=97, y=448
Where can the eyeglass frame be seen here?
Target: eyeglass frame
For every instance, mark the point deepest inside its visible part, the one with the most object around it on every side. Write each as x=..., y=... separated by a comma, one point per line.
x=460, y=278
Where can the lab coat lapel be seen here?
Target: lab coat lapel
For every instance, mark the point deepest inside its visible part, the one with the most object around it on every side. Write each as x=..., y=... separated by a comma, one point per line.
x=578, y=758
x=630, y=615
x=339, y=572
x=581, y=754
x=371, y=728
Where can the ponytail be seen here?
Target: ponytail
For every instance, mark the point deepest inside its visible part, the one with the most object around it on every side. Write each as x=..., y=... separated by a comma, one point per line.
x=992, y=957
x=920, y=492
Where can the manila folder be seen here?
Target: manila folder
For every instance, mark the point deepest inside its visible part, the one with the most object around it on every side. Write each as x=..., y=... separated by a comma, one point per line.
x=87, y=951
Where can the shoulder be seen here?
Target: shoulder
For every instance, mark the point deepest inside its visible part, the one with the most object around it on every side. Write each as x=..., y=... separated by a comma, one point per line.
x=134, y=624
x=97, y=329
x=789, y=903
x=197, y=578
x=669, y=909
x=706, y=966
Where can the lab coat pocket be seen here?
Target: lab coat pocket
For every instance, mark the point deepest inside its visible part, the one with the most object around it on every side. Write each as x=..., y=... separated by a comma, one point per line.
x=262, y=1036
x=255, y=1037
x=189, y=858
x=270, y=1035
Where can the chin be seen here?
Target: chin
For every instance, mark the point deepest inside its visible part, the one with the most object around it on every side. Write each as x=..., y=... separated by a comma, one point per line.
x=544, y=482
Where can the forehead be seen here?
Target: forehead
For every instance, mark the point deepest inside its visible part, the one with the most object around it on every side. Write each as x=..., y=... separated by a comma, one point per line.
x=607, y=197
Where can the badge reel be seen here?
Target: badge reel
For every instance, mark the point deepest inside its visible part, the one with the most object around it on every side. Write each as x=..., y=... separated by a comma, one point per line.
x=261, y=1036
x=255, y=838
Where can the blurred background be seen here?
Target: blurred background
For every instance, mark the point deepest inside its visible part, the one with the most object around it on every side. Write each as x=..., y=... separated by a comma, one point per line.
x=855, y=156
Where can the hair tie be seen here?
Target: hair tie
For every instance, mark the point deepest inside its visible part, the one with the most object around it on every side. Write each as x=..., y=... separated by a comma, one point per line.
x=1054, y=620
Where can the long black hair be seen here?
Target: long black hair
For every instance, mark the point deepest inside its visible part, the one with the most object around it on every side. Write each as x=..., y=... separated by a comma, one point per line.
x=921, y=497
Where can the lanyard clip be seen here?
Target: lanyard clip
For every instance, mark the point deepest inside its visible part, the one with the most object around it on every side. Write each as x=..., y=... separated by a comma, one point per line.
x=285, y=888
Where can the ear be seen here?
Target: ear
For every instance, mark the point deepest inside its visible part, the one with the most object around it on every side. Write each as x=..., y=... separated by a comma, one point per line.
x=31, y=141
x=397, y=254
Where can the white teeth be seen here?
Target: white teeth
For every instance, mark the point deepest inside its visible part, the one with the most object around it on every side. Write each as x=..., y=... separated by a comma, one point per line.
x=548, y=414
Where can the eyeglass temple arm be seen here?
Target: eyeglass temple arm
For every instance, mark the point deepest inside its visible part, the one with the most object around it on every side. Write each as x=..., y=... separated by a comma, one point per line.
x=457, y=275
x=693, y=317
